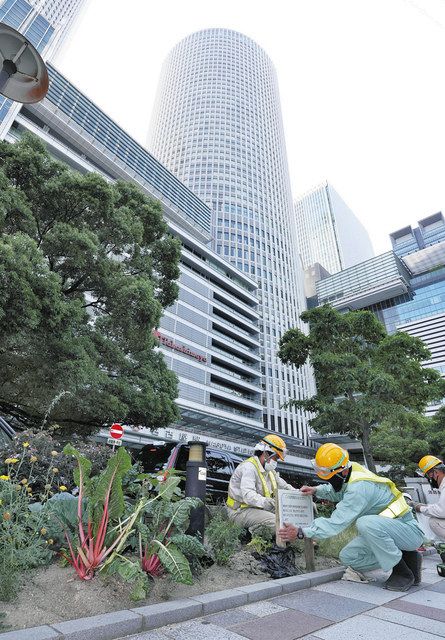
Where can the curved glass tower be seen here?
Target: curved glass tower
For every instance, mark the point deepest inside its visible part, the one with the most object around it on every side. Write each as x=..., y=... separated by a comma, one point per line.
x=217, y=126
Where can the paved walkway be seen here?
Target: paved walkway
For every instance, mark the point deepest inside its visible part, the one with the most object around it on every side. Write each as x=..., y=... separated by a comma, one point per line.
x=333, y=611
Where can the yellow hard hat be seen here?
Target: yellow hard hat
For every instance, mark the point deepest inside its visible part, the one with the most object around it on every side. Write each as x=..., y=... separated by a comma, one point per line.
x=427, y=463
x=329, y=460
x=276, y=444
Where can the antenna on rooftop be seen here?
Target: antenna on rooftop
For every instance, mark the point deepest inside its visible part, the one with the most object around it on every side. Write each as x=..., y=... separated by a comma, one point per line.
x=23, y=74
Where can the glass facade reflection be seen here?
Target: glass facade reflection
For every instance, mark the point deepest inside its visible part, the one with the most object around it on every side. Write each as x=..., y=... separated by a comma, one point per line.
x=45, y=23
x=426, y=298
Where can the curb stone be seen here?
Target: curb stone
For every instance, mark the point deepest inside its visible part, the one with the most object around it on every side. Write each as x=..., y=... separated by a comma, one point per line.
x=109, y=626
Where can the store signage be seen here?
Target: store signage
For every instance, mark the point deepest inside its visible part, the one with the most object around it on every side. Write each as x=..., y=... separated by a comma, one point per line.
x=167, y=342
x=178, y=435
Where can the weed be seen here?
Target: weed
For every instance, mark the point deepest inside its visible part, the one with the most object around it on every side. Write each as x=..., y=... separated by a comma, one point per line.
x=223, y=538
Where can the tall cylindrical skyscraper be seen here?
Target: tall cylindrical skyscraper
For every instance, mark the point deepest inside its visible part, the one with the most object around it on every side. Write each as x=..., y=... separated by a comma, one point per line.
x=217, y=126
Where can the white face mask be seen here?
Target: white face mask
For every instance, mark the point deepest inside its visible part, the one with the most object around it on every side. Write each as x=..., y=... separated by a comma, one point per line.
x=270, y=465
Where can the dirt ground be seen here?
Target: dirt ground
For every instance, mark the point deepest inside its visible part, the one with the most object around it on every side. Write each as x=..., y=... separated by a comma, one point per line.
x=55, y=594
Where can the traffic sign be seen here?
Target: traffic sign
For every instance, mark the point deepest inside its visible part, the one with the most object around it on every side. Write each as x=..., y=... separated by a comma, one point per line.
x=116, y=431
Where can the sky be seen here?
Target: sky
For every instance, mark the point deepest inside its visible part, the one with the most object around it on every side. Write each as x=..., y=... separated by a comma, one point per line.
x=361, y=83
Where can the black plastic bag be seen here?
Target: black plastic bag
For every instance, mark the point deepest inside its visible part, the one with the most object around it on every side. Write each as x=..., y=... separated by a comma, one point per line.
x=278, y=562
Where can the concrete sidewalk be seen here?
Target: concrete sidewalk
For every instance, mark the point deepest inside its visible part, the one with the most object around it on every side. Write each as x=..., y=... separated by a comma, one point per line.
x=333, y=611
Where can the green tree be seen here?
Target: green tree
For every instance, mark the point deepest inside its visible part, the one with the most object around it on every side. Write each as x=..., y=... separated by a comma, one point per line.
x=364, y=376
x=86, y=268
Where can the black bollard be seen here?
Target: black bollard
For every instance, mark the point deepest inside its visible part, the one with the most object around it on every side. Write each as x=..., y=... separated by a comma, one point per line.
x=195, y=486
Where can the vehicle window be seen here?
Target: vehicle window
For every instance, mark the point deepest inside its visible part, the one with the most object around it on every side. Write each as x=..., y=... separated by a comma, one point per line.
x=236, y=460
x=182, y=458
x=154, y=456
x=217, y=464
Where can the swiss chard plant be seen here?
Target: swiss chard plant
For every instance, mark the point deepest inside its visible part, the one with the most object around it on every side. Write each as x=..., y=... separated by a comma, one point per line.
x=97, y=540
x=164, y=545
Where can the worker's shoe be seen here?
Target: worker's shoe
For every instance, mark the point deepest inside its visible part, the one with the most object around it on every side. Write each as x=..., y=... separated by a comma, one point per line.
x=401, y=578
x=413, y=560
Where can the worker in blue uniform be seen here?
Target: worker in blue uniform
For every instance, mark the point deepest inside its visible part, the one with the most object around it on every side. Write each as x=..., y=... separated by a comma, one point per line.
x=388, y=534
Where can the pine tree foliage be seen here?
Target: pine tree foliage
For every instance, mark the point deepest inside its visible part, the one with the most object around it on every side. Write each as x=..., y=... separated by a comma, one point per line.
x=86, y=269
x=366, y=379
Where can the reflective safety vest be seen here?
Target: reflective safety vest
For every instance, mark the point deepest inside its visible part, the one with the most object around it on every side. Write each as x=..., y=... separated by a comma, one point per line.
x=397, y=507
x=233, y=504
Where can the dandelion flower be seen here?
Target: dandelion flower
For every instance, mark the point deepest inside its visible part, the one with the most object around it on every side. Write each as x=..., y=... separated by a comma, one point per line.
x=55, y=470
x=24, y=481
x=6, y=516
x=62, y=487
x=50, y=541
x=26, y=445
x=54, y=453
x=11, y=460
x=43, y=531
x=4, y=477
x=33, y=459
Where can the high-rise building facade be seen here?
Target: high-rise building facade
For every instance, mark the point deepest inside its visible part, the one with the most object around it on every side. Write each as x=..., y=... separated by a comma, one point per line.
x=217, y=126
x=405, y=288
x=45, y=23
x=328, y=232
x=210, y=336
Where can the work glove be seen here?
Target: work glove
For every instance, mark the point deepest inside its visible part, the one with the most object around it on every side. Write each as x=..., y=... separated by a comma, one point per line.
x=269, y=504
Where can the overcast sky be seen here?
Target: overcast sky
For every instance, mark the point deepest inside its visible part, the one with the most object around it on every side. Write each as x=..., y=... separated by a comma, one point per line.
x=362, y=87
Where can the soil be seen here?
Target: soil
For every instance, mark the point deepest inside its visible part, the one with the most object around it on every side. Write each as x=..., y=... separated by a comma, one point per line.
x=55, y=594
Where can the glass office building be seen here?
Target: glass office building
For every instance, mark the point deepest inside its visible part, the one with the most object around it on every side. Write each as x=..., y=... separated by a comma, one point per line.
x=328, y=232
x=217, y=126
x=210, y=335
x=45, y=23
x=405, y=288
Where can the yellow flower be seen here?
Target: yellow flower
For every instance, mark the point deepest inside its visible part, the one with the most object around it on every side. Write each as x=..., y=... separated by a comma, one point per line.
x=43, y=531
x=55, y=470
x=33, y=459
x=24, y=481
x=1, y=501
x=11, y=460
x=6, y=516
x=29, y=490
x=26, y=444
x=4, y=477
x=54, y=453
x=50, y=541
x=62, y=487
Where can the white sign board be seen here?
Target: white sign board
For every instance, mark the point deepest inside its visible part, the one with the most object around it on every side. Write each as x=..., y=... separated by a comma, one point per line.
x=114, y=442
x=295, y=508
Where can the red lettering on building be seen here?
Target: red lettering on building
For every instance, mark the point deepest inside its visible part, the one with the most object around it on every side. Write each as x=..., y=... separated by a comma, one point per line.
x=167, y=342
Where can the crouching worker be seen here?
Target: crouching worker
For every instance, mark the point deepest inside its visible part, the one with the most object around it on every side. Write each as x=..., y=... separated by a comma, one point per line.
x=254, y=483
x=434, y=470
x=388, y=532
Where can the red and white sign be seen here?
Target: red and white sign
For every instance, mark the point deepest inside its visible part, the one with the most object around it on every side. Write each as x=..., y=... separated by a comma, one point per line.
x=116, y=431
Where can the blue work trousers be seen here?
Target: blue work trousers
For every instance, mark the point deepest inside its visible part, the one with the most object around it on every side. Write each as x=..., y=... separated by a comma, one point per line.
x=381, y=541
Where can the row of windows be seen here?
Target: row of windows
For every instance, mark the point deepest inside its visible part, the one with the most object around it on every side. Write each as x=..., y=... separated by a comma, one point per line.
x=95, y=122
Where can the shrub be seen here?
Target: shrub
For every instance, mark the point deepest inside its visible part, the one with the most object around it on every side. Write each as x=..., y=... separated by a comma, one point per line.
x=44, y=454
x=23, y=538
x=223, y=537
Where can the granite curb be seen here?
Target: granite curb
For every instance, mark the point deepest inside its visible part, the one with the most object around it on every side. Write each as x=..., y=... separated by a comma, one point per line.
x=116, y=624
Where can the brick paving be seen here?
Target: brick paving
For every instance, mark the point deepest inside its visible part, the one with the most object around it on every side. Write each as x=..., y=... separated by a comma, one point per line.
x=331, y=611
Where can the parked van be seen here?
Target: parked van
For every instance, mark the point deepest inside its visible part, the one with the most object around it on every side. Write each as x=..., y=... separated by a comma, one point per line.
x=220, y=466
